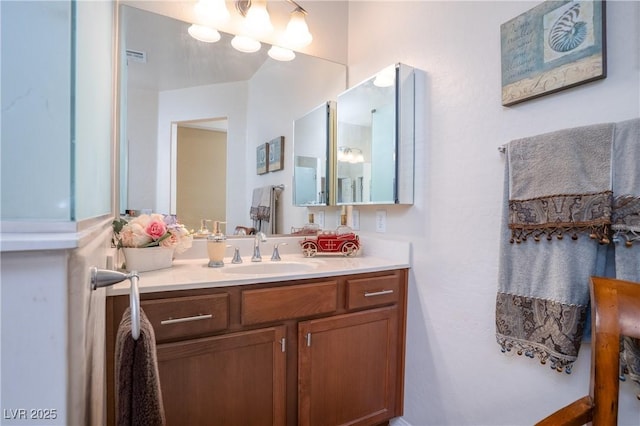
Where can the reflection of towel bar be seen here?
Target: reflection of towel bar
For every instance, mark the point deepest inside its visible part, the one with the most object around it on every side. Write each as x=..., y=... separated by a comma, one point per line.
x=105, y=278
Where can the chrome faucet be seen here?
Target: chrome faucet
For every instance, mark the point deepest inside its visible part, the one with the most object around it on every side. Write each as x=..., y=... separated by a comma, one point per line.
x=276, y=254
x=260, y=237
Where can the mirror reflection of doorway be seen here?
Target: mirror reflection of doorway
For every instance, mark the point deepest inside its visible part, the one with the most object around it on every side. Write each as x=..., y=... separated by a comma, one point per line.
x=201, y=168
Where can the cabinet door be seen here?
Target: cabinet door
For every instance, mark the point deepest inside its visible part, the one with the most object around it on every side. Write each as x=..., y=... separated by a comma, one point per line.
x=347, y=368
x=234, y=379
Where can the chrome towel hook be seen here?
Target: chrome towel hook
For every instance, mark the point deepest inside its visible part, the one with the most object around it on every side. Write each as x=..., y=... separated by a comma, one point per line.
x=106, y=277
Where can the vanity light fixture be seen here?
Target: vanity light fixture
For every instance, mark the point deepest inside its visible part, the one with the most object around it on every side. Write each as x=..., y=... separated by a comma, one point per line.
x=245, y=44
x=281, y=54
x=297, y=33
x=211, y=12
x=350, y=155
x=257, y=21
x=386, y=77
x=256, y=24
x=204, y=33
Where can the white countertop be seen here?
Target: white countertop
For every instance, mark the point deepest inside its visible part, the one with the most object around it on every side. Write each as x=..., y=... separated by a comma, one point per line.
x=193, y=273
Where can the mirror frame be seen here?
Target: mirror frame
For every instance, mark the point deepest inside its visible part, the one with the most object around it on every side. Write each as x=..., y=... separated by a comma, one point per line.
x=329, y=125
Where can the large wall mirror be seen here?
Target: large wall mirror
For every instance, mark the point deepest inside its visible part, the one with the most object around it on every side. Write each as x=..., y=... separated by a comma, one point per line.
x=172, y=84
x=375, y=139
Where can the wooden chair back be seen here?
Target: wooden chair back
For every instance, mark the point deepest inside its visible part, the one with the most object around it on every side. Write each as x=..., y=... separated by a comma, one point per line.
x=615, y=312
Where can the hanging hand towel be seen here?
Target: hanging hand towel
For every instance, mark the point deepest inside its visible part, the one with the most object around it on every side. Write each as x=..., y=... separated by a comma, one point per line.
x=263, y=209
x=626, y=222
x=261, y=204
x=137, y=382
x=557, y=209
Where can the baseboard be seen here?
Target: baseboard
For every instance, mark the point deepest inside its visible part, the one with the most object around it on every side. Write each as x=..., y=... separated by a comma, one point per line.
x=399, y=421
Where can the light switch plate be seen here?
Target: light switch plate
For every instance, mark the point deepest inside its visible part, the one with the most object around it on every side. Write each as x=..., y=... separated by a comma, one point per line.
x=355, y=219
x=381, y=221
x=320, y=220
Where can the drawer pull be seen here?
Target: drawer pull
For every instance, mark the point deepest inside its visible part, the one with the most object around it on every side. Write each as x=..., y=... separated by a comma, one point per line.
x=378, y=293
x=186, y=319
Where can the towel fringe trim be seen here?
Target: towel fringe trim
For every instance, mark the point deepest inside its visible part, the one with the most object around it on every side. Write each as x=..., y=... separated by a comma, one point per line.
x=556, y=362
x=625, y=219
x=601, y=233
x=560, y=214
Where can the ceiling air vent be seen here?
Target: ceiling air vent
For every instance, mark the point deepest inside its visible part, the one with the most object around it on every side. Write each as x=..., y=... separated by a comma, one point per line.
x=137, y=56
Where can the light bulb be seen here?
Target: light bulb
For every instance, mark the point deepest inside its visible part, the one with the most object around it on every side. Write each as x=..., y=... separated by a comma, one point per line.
x=211, y=11
x=257, y=21
x=386, y=77
x=281, y=54
x=297, y=33
x=245, y=44
x=203, y=33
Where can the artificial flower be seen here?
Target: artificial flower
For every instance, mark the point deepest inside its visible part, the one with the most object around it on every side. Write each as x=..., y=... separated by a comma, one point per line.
x=153, y=230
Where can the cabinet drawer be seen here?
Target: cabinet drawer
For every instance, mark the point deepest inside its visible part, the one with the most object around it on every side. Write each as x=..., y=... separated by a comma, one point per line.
x=296, y=301
x=367, y=292
x=187, y=316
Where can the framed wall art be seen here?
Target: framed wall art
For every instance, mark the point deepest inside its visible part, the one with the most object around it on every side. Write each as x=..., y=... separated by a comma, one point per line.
x=276, y=154
x=554, y=46
x=262, y=159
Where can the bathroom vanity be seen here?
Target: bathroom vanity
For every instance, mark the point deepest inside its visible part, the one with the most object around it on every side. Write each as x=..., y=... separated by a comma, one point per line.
x=323, y=345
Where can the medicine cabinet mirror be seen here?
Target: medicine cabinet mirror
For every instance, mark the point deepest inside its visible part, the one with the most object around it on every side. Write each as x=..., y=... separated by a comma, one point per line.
x=313, y=140
x=375, y=139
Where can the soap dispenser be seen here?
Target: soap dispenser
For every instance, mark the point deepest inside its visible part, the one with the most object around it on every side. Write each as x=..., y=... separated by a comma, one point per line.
x=216, y=245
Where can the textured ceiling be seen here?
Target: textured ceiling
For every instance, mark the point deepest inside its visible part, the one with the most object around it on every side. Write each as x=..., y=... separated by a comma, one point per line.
x=176, y=60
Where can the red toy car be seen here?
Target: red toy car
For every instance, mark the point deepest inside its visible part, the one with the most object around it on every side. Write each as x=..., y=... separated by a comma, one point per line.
x=342, y=240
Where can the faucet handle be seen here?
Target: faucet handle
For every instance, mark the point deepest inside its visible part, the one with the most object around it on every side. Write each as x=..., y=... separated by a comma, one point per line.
x=204, y=228
x=276, y=254
x=236, y=256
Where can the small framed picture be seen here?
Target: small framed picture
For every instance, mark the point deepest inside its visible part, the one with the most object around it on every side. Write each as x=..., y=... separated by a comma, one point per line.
x=275, y=153
x=262, y=159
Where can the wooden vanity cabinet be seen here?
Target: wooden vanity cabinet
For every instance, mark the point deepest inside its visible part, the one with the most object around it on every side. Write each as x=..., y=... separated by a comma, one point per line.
x=347, y=368
x=232, y=379
x=322, y=351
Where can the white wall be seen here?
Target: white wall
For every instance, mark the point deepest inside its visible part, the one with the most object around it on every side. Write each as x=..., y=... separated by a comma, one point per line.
x=279, y=93
x=205, y=102
x=258, y=111
x=455, y=372
x=141, y=145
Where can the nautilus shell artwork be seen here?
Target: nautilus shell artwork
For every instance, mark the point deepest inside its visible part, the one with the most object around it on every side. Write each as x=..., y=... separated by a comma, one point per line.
x=568, y=32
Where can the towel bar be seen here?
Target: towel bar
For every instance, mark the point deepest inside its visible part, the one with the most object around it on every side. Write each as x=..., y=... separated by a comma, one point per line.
x=105, y=278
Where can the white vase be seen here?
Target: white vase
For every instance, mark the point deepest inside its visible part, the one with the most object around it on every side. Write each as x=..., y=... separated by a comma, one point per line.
x=147, y=259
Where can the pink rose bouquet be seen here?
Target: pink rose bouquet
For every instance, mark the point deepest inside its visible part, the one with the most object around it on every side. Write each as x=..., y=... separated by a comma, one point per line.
x=151, y=231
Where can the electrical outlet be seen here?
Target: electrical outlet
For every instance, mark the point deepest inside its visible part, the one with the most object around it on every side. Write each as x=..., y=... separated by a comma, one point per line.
x=355, y=219
x=381, y=221
x=320, y=221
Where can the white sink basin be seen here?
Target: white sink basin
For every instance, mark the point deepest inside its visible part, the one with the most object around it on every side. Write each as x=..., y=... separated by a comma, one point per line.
x=268, y=268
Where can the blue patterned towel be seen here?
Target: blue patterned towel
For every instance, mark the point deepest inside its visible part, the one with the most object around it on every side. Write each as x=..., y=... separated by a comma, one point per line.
x=557, y=185
x=626, y=222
